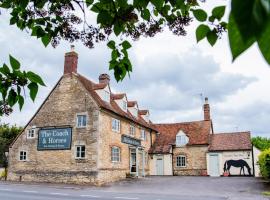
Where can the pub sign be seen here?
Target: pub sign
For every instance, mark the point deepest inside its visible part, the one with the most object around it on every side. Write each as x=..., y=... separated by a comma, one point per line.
x=54, y=138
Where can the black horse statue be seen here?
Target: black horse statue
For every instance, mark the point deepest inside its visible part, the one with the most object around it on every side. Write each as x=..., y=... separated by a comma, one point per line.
x=237, y=163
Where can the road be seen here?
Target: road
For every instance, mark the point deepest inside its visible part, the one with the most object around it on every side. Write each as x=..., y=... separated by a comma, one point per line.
x=187, y=188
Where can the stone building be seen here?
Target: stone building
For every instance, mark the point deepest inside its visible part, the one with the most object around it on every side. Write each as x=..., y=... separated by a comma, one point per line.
x=83, y=133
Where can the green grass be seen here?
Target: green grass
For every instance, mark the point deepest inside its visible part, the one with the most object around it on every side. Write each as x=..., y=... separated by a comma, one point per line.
x=267, y=193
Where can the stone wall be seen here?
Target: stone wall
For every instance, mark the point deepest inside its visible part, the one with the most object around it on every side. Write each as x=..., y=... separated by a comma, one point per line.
x=68, y=99
x=111, y=171
x=195, y=160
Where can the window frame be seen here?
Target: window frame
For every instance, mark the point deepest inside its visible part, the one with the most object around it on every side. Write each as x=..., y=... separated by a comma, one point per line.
x=77, y=120
x=132, y=133
x=23, y=157
x=181, y=139
x=180, y=161
x=107, y=96
x=31, y=135
x=143, y=137
x=116, y=127
x=124, y=107
x=118, y=155
x=80, y=157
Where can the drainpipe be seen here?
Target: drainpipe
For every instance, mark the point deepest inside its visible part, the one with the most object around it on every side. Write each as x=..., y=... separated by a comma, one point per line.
x=253, y=165
x=151, y=138
x=172, y=161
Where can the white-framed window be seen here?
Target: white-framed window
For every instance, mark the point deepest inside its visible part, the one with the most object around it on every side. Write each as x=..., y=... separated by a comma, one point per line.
x=181, y=139
x=31, y=133
x=116, y=154
x=23, y=156
x=125, y=105
x=132, y=130
x=116, y=125
x=81, y=120
x=143, y=135
x=181, y=161
x=80, y=151
x=107, y=96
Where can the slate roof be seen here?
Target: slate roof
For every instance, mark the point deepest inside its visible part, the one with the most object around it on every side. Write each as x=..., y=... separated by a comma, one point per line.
x=230, y=141
x=198, y=133
x=112, y=106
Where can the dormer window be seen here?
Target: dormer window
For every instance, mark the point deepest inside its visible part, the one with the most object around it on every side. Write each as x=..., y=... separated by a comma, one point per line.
x=124, y=105
x=181, y=139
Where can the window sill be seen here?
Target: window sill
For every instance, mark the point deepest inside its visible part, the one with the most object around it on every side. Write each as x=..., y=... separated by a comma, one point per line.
x=181, y=167
x=81, y=127
x=115, y=131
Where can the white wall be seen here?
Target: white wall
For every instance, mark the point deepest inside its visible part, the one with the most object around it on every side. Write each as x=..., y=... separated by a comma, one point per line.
x=256, y=153
x=232, y=155
x=167, y=164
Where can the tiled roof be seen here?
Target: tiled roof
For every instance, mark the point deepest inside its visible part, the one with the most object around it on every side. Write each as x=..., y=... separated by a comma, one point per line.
x=198, y=133
x=143, y=112
x=99, y=86
x=112, y=106
x=230, y=141
x=118, y=96
x=132, y=103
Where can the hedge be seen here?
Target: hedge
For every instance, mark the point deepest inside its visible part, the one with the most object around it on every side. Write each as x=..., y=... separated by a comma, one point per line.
x=264, y=162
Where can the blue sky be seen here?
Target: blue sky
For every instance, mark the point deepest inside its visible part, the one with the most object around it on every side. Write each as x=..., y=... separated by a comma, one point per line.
x=169, y=74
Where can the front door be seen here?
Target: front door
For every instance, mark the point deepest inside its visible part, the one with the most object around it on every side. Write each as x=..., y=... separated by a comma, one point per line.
x=159, y=165
x=133, y=161
x=214, y=165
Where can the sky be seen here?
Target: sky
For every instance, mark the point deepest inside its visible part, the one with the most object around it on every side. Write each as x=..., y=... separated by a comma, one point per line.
x=171, y=76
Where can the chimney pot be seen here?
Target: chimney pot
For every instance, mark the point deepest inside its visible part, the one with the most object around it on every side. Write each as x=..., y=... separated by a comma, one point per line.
x=71, y=61
x=104, y=78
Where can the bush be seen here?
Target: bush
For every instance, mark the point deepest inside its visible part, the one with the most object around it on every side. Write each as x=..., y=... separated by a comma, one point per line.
x=3, y=174
x=264, y=162
x=261, y=143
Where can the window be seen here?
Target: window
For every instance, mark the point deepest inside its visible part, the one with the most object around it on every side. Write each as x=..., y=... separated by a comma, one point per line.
x=31, y=133
x=80, y=152
x=115, y=154
x=116, y=125
x=181, y=139
x=81, y=121
x=107, y=96
x=124, y=105
x=181, y=161
x=143, y=135
x=132, y=130
x=22, y=155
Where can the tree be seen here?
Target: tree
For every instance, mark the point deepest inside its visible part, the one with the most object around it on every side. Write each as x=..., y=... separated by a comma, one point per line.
x=7, y=136
x=261, y=143
x=56, y=20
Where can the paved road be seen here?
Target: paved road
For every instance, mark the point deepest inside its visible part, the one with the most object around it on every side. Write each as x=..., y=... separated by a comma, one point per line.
x=154, y=188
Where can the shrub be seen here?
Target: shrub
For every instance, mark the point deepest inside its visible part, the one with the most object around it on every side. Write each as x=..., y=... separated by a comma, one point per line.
x=261, y=143
x=3, y=174
x=264, y=162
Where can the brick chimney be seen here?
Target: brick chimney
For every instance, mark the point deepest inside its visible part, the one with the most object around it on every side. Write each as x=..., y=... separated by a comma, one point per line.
x=206, y=110
x=71, y=61
x=104, y=78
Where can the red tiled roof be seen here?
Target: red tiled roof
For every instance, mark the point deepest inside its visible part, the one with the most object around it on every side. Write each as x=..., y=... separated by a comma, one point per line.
x=230, y=141
x=143, y=112
x=99, y=86
x=112, y=106
x=132, y=103
x=118, y=96
x=198, y=133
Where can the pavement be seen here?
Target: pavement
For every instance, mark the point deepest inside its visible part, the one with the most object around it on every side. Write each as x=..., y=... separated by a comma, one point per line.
x=150, y=188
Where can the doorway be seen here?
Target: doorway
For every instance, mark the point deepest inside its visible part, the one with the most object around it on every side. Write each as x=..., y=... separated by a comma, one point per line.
x=214, y=165
x=159, y=165
x=133, y=161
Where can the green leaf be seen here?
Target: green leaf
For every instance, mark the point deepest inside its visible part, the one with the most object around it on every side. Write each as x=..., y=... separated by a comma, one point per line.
x=111, y=44
x=218, y=12
x=4, y=70
x=12, y=97
x=263, y=42
x=157, y=3
x=46, y=39
x=200, y=15
x=104, y=18
x=201, y=32
x=89, y=2
x=212, y=37
x=237, y=44
x=14, y=63
x=126, y=44
x=145, y=14
x=20, y=101
x=114, y=54
x=34, y=78
x=33, y=87
x=118, y=28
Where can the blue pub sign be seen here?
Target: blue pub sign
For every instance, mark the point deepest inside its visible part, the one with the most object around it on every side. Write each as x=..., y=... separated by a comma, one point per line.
x=54, y=138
